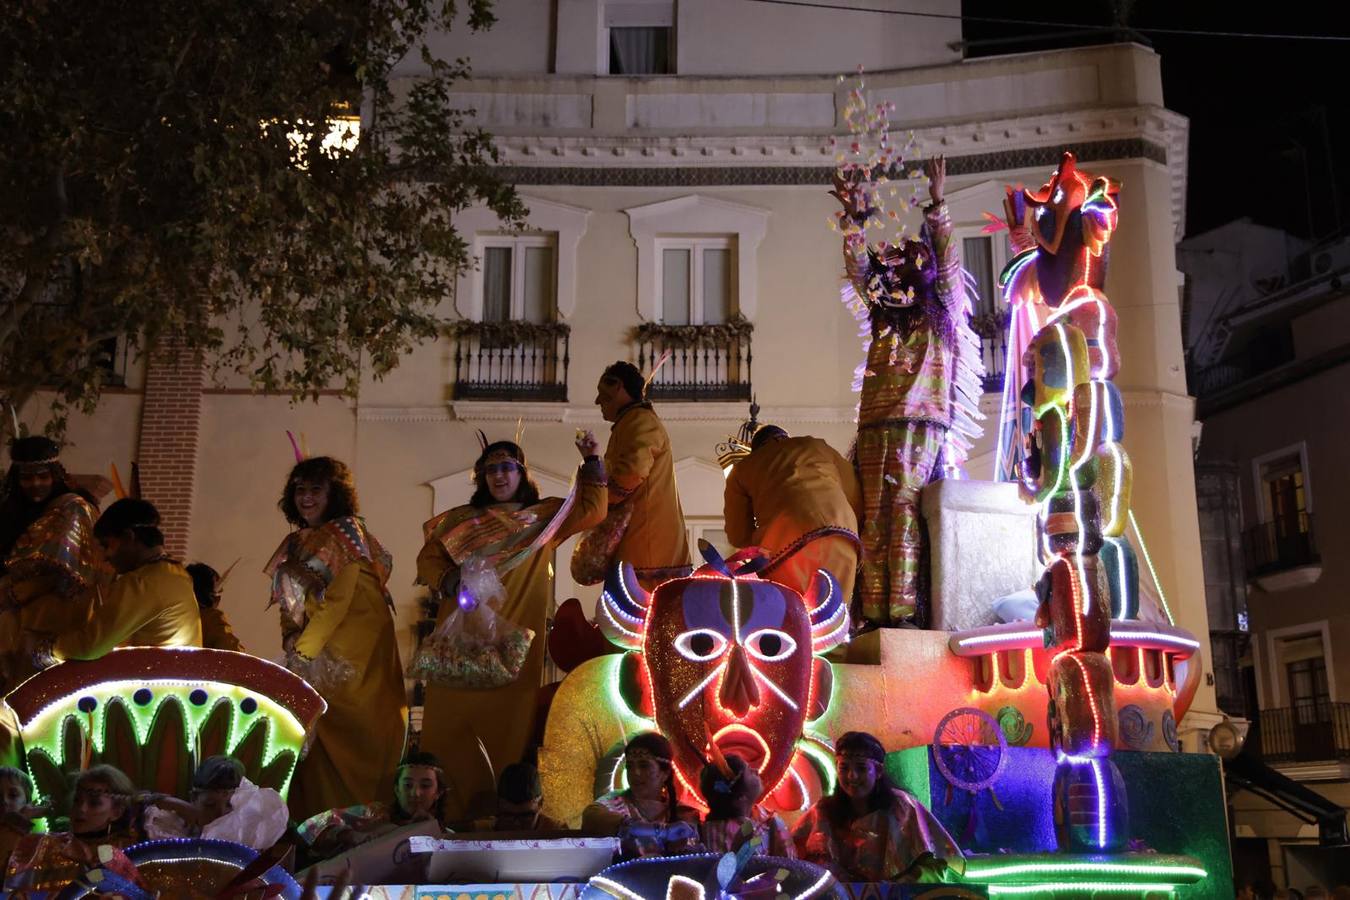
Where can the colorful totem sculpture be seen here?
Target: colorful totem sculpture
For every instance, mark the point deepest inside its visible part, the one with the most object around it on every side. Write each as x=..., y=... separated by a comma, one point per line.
x=1076, y=469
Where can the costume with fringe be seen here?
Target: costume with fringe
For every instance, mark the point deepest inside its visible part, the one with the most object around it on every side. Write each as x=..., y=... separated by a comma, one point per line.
x=337, y=616
x=921, y=387
x=50, y=580
x=903, y=843
x=470, y=730
x=729, y=835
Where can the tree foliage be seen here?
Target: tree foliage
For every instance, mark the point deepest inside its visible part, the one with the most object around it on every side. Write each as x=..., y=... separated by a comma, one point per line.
x=163, y=173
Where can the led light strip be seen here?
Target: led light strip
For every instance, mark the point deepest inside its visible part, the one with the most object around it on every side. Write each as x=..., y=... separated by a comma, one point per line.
x=1161, y=870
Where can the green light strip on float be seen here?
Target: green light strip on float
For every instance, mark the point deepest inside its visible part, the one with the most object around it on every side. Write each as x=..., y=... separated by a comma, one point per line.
x=975, y=872
x=1096, y=888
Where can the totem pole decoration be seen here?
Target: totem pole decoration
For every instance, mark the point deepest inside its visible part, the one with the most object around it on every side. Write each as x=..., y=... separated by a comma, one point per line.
x=731, y=659
x=1076, y=469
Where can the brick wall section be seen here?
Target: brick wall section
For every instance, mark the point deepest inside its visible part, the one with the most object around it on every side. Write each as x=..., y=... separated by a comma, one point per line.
x=170, y=428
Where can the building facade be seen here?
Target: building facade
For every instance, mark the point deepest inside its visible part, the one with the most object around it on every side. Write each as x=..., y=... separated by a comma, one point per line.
x=676, y=160
x=1271, y=368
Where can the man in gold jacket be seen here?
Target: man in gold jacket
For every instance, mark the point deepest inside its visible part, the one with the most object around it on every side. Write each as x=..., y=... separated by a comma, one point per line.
x=641, y=477
x=799, y=500
x=150, y=604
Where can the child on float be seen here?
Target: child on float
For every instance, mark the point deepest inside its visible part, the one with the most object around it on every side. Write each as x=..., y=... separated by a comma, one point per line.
x=730, y=786
x=100, y=826
x=16, y=808
x=520, y=799
x=647, y=816
x=222, y=804
x=869, y=829
x=419, y=796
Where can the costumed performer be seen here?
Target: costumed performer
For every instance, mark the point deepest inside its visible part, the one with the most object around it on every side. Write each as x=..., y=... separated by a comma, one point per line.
x=644, y=504
x=920, y=389
x=207, y=584
x=419, y=796
x=49, y=560
x=150, y=603
x=337, y=626
x=647, y=816
x=730, y=787
x=224, y=805
x=100, y=826
x=799, y=499
x=16, y=808
x=871, y=830
x=509, y=528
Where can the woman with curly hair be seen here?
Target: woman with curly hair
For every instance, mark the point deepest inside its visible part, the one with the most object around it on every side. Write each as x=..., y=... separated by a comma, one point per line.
x=337, y=626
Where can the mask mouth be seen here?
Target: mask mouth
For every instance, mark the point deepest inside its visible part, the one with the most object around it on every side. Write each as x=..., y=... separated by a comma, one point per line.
x=746, y=743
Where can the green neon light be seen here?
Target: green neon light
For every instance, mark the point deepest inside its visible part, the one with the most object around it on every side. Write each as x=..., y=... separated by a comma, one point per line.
x=1094, y=887
x=1152, y=571
x=282, y=730
x=823, y=758
x=975, y=871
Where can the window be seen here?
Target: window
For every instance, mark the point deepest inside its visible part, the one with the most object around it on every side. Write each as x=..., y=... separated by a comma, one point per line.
x=698, y=280
x=1309, y=693
x=640, y=37
x=519, y=278
x=984, y=258
x=1284, y=492
x=978, y=256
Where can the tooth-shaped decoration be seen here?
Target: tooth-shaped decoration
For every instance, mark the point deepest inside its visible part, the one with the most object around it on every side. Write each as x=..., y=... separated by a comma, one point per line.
x=623, y=608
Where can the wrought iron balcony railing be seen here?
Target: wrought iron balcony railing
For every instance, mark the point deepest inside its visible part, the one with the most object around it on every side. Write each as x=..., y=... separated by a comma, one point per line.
x=992, y=327
x=707, y=362
x=1282, y=544
x=511, y=360
x=1315, y=731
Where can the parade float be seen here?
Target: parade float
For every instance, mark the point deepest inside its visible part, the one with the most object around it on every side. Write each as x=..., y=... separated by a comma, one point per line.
x=1043, y=740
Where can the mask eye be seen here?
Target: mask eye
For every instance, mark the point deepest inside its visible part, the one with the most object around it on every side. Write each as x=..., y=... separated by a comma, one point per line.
x=701, y=644
x=770, y=644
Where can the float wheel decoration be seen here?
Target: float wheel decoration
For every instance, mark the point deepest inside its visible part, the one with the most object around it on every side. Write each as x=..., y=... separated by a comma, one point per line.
x=970, y=750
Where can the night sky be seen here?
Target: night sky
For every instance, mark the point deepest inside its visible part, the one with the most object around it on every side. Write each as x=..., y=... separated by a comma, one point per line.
x=1270, y=134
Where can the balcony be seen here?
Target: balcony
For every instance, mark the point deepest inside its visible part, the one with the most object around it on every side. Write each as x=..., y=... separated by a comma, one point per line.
x=992, y=328
x=511, y=361
x=1282, y=554
x=1312, y=732
x=707, y=362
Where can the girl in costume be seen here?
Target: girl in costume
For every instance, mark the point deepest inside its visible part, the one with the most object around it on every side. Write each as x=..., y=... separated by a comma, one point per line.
x=16, y=810
x=871, y=830
x=730, y=787
x=505, y=535
x=647, y=816
x=224, y=805
x=337, y=625
x=100, y=826
x=419, y=795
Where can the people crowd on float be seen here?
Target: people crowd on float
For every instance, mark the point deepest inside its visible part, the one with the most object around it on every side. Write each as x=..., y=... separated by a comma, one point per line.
x=76, y=584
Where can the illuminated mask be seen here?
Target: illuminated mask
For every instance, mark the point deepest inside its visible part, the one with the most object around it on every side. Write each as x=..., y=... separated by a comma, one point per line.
x=732, y=656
